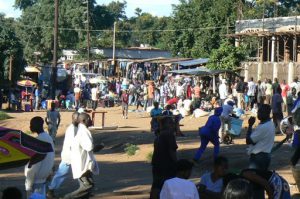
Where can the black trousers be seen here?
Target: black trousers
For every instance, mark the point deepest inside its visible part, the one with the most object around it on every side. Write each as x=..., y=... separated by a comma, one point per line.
x=86, y=184
x=277, y=117
x=94, y=104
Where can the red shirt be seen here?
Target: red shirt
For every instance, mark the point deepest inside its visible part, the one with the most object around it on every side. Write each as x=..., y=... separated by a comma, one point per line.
x=124, y=98
x=285, y=89
x=189, y=91
x=172, y=101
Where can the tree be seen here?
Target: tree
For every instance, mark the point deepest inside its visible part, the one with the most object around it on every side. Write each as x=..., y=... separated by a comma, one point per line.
x=227, y=56
x=10, y=46
x=138, y=12
x=36, y=22
x=199, y=26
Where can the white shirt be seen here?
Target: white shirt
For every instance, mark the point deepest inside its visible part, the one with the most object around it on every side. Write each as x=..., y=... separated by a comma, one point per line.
x=223, y=91
x=82, y=157
x=294, y=85
x=66, y=149
x=39, y=172
x=263, y=136
x=180, y=90
x=76, y=90
x=95, y=92
x=210, y=185
x=177, y=188
x=251, y=88
x=187, y=104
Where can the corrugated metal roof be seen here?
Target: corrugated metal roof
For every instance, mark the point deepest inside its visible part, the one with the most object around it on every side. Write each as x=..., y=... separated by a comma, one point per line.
x=201, y=71
x=194, y=62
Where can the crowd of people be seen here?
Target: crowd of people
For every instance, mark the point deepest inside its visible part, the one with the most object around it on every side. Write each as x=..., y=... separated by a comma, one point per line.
x=262, y=100
x=169, y=99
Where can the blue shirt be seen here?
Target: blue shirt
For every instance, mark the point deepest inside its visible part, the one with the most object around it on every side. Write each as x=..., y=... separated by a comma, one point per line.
x=156, y=112
x=36, y=92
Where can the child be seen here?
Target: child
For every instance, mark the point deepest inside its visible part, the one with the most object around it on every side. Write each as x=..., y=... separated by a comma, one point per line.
x=180, y=186
x=209, y=133
x=211, y=184
x=53, y=121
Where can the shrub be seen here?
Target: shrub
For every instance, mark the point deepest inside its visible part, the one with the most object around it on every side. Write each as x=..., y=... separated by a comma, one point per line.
x=4, y=116
x=131, y=149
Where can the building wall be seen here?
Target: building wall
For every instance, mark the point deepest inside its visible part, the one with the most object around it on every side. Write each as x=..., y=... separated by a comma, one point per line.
x=281, y=70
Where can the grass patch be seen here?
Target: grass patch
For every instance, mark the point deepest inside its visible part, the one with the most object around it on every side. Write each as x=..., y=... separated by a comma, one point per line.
x=131, y=149
x=149, y=156
x=4, y=116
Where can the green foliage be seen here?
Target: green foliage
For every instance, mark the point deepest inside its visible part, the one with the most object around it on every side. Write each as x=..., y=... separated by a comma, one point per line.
x=195, y=28
x=204, y=23
x=227, y=56
x=4, y=116
x=36, y=22
x=131, y=149
x=10, y=46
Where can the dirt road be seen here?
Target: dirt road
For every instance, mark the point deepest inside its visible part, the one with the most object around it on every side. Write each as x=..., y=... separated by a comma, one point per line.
x=123, y=176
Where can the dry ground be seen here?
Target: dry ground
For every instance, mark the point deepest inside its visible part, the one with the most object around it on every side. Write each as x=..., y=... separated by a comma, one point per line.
x=123, y=176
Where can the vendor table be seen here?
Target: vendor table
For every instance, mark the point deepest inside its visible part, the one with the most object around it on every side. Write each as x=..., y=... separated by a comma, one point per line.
x=103, y=117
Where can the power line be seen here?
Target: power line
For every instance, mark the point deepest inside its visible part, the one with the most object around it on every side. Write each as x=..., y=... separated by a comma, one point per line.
x=130, y=31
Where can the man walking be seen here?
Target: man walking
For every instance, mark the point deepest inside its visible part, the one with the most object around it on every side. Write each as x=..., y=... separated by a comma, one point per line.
x=285, y=88
x=261, y=139
x=36, y=97
x=77, y=94
x=223, y=91
x=240, y=89
x=52, y=120
x=251, y=92
x=37, y=174
x=277, y=108
x=124, y=100
x=95, y=97
x=65, y=164
x=83, y=162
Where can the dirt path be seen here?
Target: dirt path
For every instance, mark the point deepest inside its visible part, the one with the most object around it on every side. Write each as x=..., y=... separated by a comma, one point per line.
x=123, y=176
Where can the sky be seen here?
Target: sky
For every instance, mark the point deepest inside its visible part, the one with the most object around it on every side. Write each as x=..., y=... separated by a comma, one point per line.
x=155, y=7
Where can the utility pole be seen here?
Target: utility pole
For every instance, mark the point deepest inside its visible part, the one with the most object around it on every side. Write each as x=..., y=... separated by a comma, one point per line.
x=88, y=32
x=10, y=67
x=114, y=46
x=55, y=41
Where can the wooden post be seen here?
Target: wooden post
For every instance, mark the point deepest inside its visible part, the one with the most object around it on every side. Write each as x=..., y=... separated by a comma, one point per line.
x=286, y=50
x=273, y=49
x=268, y=50
x=214, y=84
x=55, y=41
x=295, y=45
x=298, y=49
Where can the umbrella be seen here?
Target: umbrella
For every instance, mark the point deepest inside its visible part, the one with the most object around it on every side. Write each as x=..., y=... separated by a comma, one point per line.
x=26, y=83
x=17, y=148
